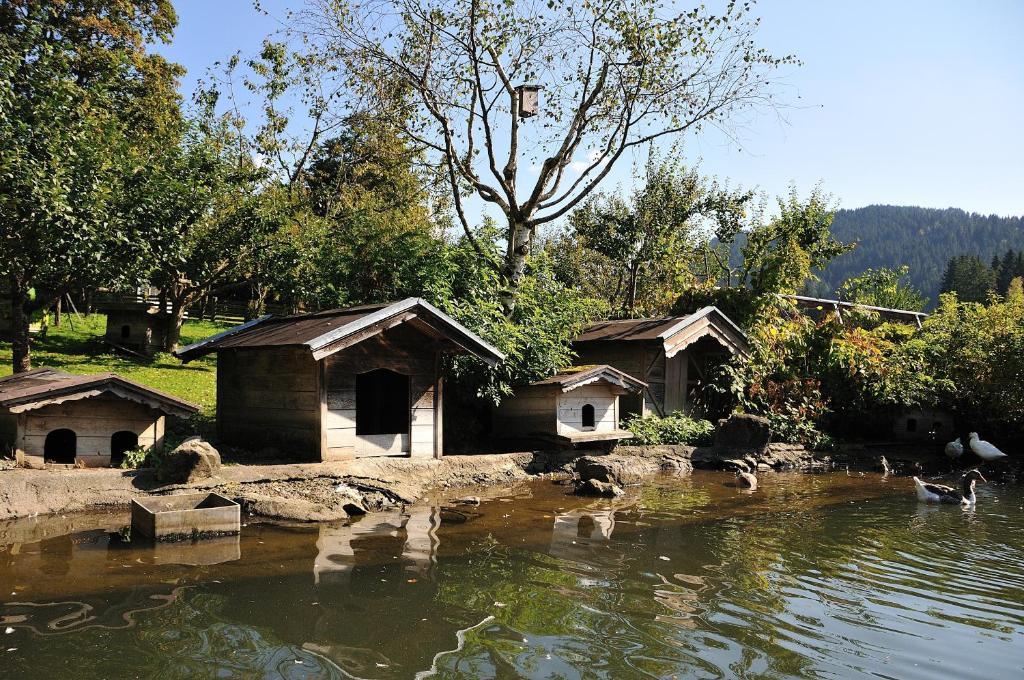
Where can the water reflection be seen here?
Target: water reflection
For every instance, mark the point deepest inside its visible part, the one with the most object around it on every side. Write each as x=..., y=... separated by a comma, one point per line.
x=410, y=534
x=812, y=576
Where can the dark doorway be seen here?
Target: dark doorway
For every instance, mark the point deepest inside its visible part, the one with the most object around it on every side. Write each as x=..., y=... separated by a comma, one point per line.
x=126, y=332
x=588, y=417
x=382, y=402
x=120, y=443
x=61, y=447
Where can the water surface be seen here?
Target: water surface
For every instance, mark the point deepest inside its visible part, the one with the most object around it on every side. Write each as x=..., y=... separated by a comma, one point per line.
x=827, y=576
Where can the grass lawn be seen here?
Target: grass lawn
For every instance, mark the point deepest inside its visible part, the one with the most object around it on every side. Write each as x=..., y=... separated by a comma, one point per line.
x=75, y=347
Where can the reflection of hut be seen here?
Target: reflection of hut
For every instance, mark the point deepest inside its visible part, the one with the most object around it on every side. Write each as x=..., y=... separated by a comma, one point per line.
x=576, y=531
x=48, y=416
x=577, y=405
x=672, y=355
x=137, y=325
x=923, y=424
x=342, y=548
x=364, y=381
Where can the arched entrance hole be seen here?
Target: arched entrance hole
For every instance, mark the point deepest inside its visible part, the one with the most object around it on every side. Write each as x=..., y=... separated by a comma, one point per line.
x=588, y=416
x=61, y=447
x=120, y=443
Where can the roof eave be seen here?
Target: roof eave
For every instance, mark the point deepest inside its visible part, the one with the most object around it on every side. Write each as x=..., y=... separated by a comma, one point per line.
x=204, y=347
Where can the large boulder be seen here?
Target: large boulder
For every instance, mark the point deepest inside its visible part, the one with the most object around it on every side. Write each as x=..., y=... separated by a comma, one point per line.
x=742, y=432
x=621, y=470
x=592, y=487
x=192, y=461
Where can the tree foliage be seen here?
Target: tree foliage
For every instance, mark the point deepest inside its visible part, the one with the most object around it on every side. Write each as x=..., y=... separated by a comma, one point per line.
x=639, y=253
x=882, y=288
x=614, y=78
x=81, y=106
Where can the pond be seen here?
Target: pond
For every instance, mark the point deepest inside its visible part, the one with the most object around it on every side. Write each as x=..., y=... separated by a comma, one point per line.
x=811, y=576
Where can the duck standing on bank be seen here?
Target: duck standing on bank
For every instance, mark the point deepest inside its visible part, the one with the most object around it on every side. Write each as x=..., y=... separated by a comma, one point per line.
x=984, y=450
x=954, y=449
x=938, y=493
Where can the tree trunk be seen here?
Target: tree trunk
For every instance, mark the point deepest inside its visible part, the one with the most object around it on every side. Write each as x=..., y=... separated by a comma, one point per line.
x=172, y=336
x=631, y=293
x=57, y=311
x=520, y=237
x=172, y=333
x=257, y=305
x=20, y=347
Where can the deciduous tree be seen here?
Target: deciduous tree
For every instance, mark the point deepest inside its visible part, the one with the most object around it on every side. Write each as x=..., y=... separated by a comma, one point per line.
x=456, y=76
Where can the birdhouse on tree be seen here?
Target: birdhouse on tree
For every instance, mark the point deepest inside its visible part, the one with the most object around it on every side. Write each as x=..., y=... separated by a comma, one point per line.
x=529, y=100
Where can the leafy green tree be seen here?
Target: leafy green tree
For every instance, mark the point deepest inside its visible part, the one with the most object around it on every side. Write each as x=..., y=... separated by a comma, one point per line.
x=650, y=240
x=970, y=278
x=210, y=218
x=882, y=288
x=778, y=255
x=81, y=104
x=535, y=338
x=614, y=78
x=372, y=233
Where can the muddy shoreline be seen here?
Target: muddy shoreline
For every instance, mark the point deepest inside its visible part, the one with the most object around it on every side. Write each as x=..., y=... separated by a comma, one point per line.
x=332, y=491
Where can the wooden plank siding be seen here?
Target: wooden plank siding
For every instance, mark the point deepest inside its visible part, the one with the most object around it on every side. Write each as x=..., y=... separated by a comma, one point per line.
x=533, y=410
x=270, y=398
x=603, y=398
x=94, y=421
x=401, y=349
x=644, y=361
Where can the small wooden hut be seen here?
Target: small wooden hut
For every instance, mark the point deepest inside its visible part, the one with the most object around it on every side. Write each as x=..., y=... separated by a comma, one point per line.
x=575, y=406
x=672, y=355
x=51, y=417
x=342, y=383
x=137, y=325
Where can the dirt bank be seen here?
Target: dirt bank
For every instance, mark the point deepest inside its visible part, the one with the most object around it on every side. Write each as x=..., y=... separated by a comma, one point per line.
x=298, y=491
x=326, y=491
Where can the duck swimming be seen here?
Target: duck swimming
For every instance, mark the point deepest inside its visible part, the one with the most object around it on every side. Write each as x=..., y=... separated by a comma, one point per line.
x=938, y=493
x=984, y=450
x=747, y=480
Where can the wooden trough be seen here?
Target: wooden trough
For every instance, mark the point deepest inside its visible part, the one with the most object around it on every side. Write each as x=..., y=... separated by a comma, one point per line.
x=185, y=516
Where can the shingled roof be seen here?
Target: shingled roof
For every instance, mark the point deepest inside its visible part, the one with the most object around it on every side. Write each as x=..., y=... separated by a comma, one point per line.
x=577, y=376
x=44, y=386
x=327, y=332
x=674, y=333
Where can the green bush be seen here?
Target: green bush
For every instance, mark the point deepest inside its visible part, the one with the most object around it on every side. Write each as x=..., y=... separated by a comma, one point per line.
x=672, y=429
x=138, y=458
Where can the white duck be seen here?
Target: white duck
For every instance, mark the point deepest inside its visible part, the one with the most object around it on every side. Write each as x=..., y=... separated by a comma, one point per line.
x=984, y=450
x=938, y=493
x=954, y=449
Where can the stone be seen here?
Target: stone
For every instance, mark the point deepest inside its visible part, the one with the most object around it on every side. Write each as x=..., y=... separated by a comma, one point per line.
x=592, y=487
x=352, y=501
x=468, y=500
x=744, y=432
x=191, y=461
x=621, y=470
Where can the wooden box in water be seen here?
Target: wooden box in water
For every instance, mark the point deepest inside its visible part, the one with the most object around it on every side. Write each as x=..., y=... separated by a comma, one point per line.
x=185, y=516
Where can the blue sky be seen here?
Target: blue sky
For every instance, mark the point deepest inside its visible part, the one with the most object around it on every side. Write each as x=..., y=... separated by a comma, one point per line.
x=908, y=103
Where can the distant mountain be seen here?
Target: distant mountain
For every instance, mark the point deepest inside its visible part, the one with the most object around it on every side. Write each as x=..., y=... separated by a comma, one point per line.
x=924, y=239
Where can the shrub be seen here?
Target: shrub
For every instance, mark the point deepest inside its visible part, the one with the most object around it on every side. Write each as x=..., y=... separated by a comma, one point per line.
x=139, y=457
x=675, y=428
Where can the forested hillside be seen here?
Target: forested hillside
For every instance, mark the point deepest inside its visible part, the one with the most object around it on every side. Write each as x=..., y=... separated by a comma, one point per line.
x=924, y=239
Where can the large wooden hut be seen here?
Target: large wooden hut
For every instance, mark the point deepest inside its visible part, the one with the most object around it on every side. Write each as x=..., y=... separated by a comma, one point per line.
x=51, y=417
x=364, y=381
x=578, y=405
x=671, y=355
